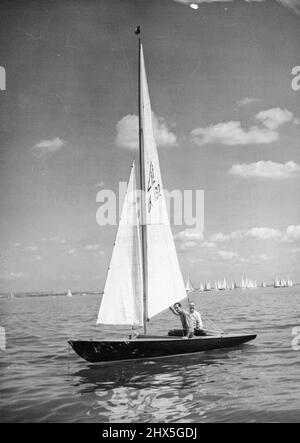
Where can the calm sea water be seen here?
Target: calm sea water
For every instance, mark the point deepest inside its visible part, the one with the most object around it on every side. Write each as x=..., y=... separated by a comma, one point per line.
x=42, y=380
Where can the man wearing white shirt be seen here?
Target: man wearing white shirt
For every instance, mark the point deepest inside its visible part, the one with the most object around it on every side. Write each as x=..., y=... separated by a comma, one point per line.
x=197, y=320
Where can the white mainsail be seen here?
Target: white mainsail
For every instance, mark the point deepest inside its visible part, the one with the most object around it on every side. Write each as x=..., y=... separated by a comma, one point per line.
x=122, y=298
x=69, y=293
x=165, y=284
x=124, y=292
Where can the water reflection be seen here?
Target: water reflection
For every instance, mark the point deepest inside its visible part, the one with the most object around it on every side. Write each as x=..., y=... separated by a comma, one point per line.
x=135, y=373
x=151, y=391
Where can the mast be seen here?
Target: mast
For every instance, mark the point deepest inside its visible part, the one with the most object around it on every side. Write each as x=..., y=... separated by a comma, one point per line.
x=143, y=193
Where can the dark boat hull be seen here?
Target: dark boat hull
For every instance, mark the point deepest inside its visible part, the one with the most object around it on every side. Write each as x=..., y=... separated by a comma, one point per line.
x=149, y=348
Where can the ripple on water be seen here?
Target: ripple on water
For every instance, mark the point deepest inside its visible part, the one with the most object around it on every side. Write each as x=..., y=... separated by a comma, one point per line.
x=44, y=381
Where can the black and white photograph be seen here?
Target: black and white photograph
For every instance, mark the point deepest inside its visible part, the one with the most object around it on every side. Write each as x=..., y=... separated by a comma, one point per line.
x=149, y=214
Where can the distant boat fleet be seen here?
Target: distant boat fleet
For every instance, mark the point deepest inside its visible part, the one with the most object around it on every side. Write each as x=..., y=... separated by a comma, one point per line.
x=288, y=283
x=246, y=283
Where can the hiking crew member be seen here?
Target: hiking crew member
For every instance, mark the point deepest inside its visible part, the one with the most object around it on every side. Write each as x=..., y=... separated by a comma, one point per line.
x=186, y=321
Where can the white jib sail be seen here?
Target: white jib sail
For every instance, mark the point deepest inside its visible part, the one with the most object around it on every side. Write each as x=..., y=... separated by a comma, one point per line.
x=165, y=283
x=122, y=298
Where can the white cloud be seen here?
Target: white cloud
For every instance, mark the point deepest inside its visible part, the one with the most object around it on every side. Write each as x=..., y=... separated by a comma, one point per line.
x=36, y=258
x=255, y=259
x=264, y=257
x=196, y=261
x=263, y=234
x=49, y=146
x=17, y=275
x=292, y=4
x=96, y=249
x=256, y=233
x=127, y=132
x=222, y=238
x=208, y=245
x=274, y=118
x=266, y=169
x=187, y=245
x=188, y=235
x=248, y=101
x=100, y=185
x=30, y=248
x=188, y=239
x=228, y=255
x=93, y=247
x=290, y=235
x=99, y=253
x=233, y=134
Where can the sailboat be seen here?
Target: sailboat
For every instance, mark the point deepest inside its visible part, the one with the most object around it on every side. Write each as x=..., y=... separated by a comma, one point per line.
x=277, y=284
x=243, y=284
x=208, y=287
x=144, y=276
x=189, y=285
x=69, y=293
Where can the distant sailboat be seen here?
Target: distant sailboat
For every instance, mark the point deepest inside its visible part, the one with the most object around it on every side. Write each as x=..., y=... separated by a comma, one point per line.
x=219, y=285
x=12, y=295
x=243, y=284
x=189, y=286
x=283, y=283
x=208, y=287
x=69, y=294
x=201, y=289
x=277, y=284
x=144, y=276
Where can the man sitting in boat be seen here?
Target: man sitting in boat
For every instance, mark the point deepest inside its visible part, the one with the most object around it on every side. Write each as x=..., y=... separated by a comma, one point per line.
x=197, y=321
x=187, y=330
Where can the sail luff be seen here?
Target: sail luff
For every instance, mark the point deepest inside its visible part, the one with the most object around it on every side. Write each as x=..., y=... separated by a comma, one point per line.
x=143, y=202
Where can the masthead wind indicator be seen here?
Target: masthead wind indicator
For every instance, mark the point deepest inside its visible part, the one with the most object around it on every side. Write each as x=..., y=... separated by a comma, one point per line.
x=137, y=30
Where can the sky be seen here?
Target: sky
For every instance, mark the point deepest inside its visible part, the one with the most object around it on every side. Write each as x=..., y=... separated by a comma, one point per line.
x=227, y=121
